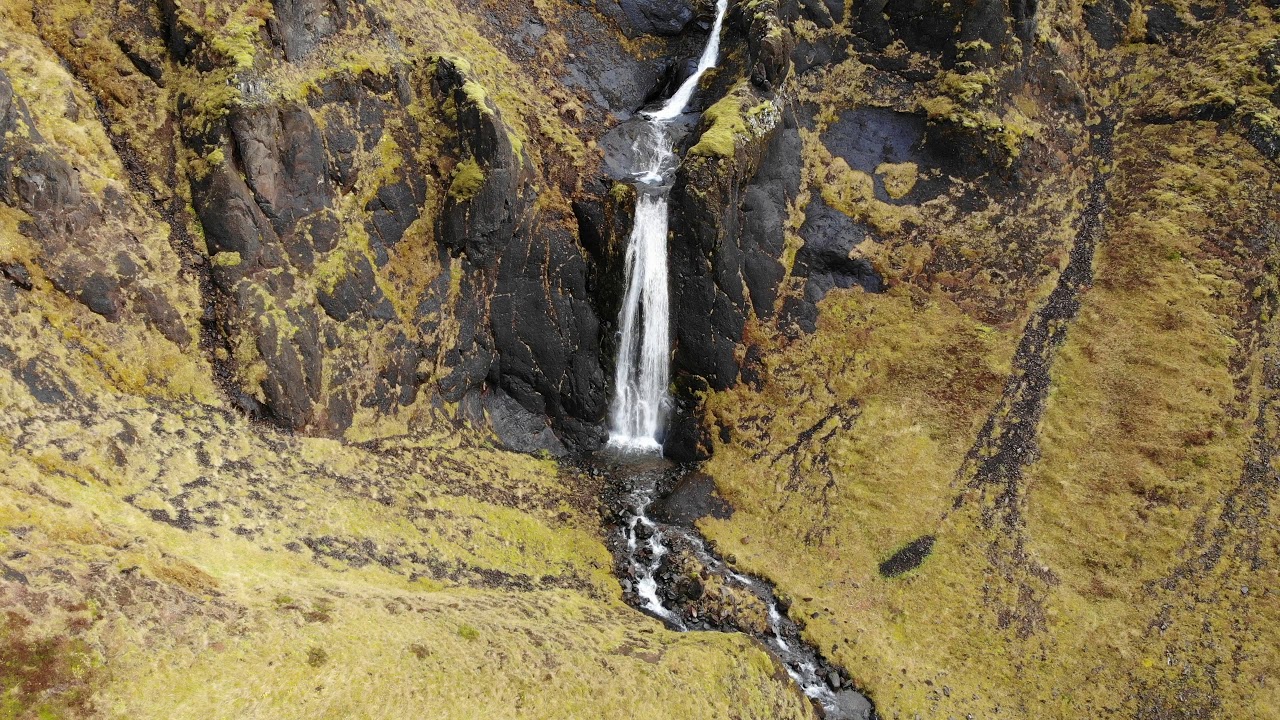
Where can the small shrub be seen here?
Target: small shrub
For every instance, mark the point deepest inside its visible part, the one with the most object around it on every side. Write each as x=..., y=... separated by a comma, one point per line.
x=317, y=657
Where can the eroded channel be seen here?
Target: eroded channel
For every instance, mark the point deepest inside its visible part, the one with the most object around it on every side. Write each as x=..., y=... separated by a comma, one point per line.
x=670, y=572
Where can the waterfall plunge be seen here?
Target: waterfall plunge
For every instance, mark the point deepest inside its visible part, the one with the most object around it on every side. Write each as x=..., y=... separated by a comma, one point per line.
x=641, y=400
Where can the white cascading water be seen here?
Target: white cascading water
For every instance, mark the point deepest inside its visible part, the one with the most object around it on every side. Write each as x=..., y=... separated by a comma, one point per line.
x=641, y=399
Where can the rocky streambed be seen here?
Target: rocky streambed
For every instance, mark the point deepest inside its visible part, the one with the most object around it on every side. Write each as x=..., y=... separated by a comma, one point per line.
x=668, y=570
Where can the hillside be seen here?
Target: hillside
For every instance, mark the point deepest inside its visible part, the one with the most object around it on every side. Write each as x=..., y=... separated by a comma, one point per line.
x=309, y=321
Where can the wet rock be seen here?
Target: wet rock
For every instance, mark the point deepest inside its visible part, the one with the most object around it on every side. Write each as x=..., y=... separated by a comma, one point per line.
x=693, y=497
x=852, y=705
x=546, y=333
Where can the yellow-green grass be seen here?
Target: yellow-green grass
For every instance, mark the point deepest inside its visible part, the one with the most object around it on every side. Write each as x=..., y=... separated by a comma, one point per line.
x=236, y=617
x=1144, y=433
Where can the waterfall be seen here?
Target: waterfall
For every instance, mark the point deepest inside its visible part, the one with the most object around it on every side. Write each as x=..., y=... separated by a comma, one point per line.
x=641, y=400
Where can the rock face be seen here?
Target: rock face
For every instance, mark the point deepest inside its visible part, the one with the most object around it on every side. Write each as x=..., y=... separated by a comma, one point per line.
x=82, y=244
x=294, y=276
x=311, y=210
x=650, y=17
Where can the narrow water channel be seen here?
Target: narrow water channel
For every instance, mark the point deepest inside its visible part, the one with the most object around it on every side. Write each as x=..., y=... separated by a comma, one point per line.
x=670, y=572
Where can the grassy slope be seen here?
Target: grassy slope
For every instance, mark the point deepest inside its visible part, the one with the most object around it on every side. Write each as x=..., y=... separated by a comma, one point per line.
x=324, y=580
x=1138, y=573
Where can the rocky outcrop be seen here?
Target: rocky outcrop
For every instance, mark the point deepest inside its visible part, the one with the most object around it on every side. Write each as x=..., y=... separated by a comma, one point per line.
x=728, y=240
x=378, y=249
x=300, y=302
x=650, y=17
x=87, y=245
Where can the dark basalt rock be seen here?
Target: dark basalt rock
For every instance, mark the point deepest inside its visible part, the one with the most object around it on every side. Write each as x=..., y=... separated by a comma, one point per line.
x=34, y=179
x=544, y=330
x=394, y=209
x=829, y=238
x=1106, y=20
x=282, y=155
x=727, y=240
x=867, y=137
x=935, y=26
x=296, y=27
x=39, y=381
x=692, y=498
x=615, y=81
x=519, y=429
x=17, y=274
x=356, y=291
x=1163, y=22
x=525, y=317
x=481, y=224
x=908, y=558
x=823, y=13
x=94, y=266
x=650, y=17
x=531, y=315
x=818, y=53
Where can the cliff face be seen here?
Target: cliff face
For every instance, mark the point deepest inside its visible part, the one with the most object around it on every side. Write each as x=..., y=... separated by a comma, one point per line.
x=378, y=201
x=973, y=317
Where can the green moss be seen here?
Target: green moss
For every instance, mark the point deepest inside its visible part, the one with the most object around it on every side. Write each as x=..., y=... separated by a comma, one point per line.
x=226, y=259
x=898, y=178
x=317, y=657
x=406, y=636
x=724, y=124
x=621, y=192
x=478, y=97
x=467, y=180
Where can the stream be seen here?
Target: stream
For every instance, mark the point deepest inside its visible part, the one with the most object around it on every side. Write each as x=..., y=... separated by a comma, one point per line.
x=668, y=571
